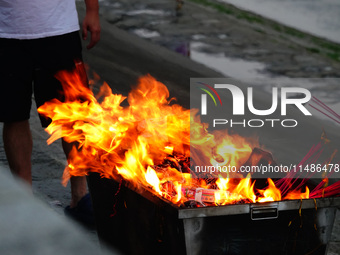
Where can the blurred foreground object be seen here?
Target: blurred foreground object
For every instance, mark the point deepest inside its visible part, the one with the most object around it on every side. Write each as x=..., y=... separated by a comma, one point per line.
x=29, y=227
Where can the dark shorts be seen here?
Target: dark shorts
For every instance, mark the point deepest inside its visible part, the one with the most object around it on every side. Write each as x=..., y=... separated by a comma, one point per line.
x=29, y=66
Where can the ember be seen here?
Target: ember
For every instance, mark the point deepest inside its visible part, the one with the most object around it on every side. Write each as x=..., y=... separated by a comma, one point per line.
x=148, y=144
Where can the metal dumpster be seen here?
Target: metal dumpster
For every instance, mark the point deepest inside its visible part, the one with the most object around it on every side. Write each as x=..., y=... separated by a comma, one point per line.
x=139, y=222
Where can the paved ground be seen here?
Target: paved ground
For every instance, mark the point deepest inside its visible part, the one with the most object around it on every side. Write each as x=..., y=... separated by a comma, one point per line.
x=238, y=35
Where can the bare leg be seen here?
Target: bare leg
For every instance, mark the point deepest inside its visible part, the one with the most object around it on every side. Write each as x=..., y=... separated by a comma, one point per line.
x=18, y=147
x=78, y=183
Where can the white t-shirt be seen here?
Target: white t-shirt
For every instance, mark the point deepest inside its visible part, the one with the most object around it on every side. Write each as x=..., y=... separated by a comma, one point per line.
x=31, y=19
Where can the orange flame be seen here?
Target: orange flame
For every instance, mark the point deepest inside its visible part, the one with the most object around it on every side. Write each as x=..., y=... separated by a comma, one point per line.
x=152, y=179
x=133, y=141
x=271, y=193
x=297, y=194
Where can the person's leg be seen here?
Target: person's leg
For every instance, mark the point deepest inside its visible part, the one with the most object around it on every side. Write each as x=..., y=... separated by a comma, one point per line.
x=60, y=53
x=80, y=207
x=78, y=183
x=18, y=147
x=15, y=105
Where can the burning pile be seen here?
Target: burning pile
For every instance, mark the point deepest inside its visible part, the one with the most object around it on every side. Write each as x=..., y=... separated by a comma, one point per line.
x=148, y=144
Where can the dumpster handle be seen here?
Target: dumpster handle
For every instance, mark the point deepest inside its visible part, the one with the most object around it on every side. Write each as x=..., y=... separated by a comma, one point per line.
x=264, y=213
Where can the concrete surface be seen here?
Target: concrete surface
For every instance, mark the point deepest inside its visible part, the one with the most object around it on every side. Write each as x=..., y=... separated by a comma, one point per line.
x=29, y=227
